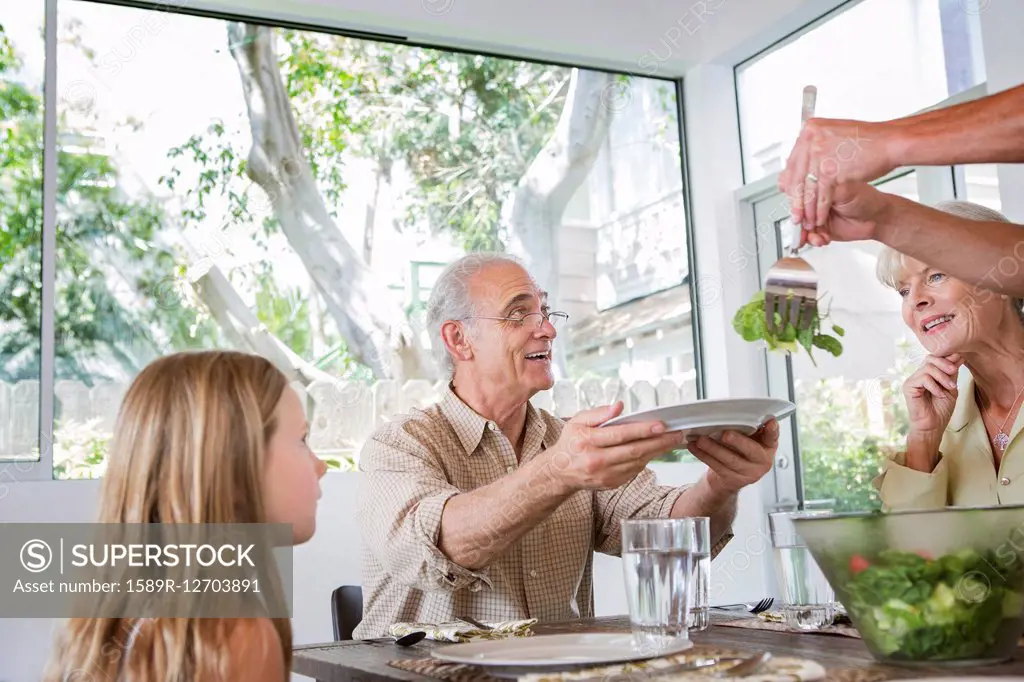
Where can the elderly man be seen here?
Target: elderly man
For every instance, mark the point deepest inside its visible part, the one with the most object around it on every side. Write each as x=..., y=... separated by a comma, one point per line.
x=483, y=506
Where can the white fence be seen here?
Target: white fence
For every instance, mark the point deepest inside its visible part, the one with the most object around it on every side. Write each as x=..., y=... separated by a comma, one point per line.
x=342, y=413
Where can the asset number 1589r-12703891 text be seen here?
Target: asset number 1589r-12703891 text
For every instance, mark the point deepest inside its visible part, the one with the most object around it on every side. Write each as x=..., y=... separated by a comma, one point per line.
x=194, y=585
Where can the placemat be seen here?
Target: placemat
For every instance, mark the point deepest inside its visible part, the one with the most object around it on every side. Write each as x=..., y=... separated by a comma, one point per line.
x=779, y=669
x=771, y=620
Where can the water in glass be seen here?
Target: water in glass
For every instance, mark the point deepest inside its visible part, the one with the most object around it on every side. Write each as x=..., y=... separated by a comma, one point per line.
x=657, y=588
x=700, y=586
x=808, y=599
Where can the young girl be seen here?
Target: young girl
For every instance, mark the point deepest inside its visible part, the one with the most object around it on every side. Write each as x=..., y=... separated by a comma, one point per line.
x=202, y=437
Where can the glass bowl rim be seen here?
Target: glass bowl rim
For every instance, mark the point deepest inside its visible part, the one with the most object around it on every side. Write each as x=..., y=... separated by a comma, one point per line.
x=908, y=512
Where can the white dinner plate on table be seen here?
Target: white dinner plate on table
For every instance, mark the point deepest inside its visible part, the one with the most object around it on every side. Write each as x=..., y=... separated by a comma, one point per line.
x=712, y=417
x=554, y=653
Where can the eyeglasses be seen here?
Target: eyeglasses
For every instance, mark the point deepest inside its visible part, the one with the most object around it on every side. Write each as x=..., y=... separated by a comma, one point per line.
x=557, y=319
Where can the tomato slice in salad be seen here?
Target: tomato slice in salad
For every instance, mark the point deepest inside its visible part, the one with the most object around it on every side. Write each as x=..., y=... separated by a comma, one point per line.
x=858, y=564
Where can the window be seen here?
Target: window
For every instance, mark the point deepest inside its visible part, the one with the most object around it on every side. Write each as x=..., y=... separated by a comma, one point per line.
x=22, y=56
x=980, y=184
x=921, y=52
x=189, y=217
x=850, y=408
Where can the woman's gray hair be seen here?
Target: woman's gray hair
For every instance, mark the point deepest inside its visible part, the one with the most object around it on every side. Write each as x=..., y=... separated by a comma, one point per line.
x=890, y=261
x=450, y=299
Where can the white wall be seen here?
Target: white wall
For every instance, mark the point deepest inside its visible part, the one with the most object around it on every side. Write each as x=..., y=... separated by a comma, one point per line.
x=733, y=367
x=330, y=559
x=1004, y=68
x=649, y=36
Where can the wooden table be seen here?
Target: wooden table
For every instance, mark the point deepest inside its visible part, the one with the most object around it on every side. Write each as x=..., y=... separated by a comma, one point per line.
x=354, y=661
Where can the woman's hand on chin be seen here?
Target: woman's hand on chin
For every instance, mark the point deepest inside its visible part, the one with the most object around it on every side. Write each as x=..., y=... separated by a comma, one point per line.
x=931, y=394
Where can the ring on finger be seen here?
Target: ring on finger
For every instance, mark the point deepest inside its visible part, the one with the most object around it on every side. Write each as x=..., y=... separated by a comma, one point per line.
x=811, y=177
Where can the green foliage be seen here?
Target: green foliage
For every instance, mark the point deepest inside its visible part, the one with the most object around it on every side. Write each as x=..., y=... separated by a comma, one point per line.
x=107, y=247
x=344, y=464
x=321, y=96
x=21, y=155
x=466, y=126
x=839, y=460
x=840, y=453
x=222, y=174
x=750, y=323
x=79, y=449
x=285, y=314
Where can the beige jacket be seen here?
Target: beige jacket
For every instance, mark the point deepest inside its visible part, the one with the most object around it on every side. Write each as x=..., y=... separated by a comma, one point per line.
x=966, y=474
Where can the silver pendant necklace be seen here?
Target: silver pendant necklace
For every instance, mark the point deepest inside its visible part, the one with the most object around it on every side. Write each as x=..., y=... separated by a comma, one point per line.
x=1001, y=440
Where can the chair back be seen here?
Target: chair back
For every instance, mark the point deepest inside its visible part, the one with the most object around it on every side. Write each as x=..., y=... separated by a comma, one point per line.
x=346, y=610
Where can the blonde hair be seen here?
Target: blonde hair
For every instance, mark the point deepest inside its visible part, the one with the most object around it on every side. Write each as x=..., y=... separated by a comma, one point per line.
x=189, y=446
x=890, y=261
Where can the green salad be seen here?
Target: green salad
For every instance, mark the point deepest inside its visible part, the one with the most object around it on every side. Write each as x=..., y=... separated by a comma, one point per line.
x=749, y=322
x=911, y=606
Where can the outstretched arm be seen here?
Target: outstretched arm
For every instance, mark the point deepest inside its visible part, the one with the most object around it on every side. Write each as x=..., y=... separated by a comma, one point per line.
x=990, y=255
x=986, y=254
x=830, y=152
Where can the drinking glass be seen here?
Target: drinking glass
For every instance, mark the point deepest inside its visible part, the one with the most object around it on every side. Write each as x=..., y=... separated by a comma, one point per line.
x=700, y=577
x=808, y=601
x=657, y=558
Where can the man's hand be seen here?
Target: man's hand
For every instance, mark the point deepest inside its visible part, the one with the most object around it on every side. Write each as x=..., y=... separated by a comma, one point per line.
x=737, y=460
x=588, y=456
x=856, y=214
x=833, y=152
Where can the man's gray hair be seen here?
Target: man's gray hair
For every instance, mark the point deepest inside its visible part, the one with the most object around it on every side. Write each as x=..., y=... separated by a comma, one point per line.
x=890, y=261
x=450, y=299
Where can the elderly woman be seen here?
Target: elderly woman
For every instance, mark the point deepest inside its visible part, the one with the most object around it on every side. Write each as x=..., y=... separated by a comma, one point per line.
x=963, y=447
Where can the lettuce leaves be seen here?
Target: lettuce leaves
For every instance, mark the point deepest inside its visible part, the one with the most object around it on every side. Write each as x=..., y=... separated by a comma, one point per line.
x=917, y=608
x=749, y=323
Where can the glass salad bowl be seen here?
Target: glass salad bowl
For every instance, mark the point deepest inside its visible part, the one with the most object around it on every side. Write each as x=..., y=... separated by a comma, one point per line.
x=940, y=587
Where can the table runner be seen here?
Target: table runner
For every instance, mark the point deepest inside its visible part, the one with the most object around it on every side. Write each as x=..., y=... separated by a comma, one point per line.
x=780, y=669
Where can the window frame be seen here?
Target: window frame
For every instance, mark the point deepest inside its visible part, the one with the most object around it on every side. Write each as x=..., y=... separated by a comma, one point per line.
x=15, y=470
x=42, y=468
x=935, y=183
x=967, y=95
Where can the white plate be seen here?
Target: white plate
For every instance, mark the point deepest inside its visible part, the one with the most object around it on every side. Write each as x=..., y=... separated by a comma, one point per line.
x=556, y=651
x=711, y=417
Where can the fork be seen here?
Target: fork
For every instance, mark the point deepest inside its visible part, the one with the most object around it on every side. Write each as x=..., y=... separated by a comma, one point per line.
x=791, y=285
x=757, y=607
x=474, y=623
x=747, y=666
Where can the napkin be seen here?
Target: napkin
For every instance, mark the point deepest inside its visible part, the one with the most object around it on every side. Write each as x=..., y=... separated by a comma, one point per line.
x=458, y=631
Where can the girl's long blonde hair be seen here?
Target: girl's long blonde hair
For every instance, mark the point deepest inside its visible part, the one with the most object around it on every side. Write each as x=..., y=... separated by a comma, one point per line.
x=189, y=446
